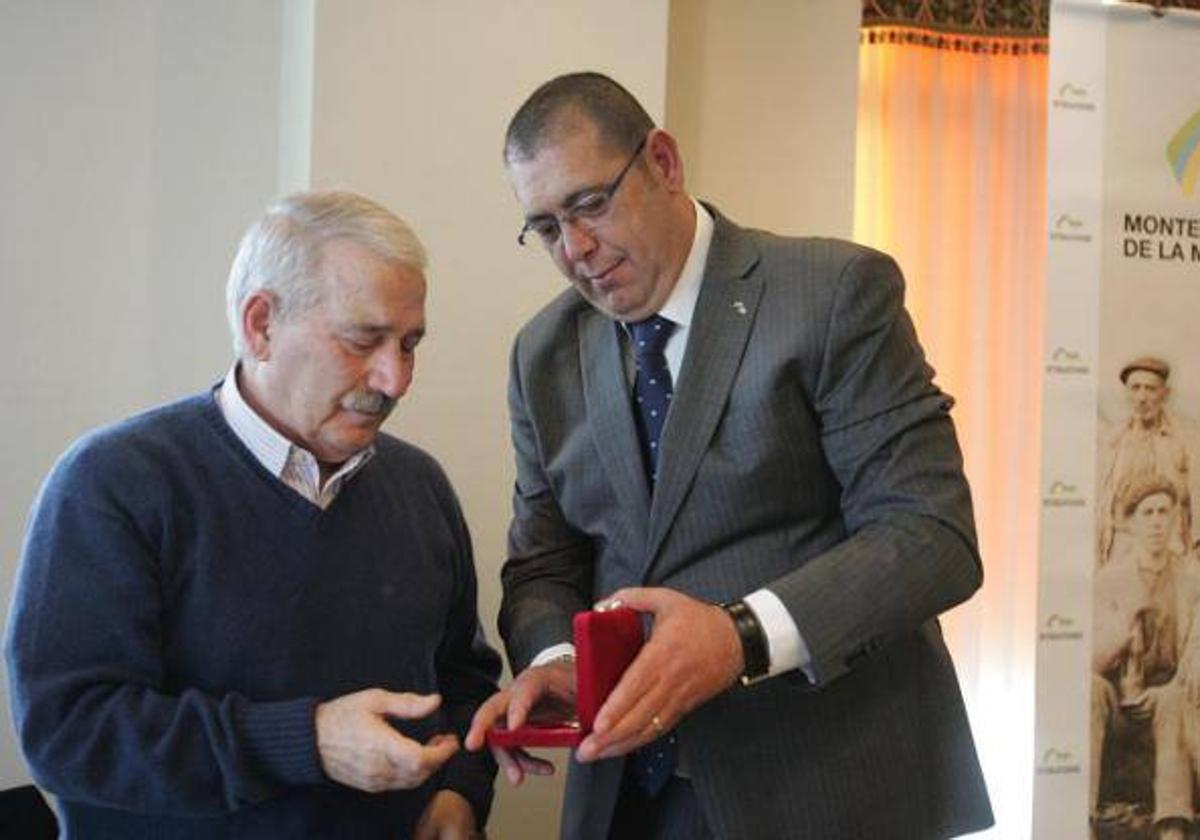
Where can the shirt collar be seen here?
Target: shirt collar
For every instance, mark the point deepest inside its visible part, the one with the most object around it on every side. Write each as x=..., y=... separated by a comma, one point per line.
x=272, y=449
x=264, y=442
x=681, y=304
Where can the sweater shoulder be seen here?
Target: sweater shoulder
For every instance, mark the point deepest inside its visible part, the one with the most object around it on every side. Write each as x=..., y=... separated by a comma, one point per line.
x=151, y=443
x=412, y=465
x=401, y=453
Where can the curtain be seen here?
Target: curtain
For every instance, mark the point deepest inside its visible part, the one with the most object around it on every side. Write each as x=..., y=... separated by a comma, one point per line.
x=950, y=179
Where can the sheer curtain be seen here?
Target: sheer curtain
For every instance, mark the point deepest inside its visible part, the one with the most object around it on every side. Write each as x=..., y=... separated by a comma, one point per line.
x=950, y=179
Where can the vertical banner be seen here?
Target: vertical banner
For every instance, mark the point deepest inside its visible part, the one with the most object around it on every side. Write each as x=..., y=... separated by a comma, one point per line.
x=1118, y=666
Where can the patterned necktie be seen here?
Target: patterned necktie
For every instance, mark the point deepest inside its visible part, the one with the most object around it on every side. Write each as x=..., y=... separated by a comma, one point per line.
x=652, y=386
x=654, y=764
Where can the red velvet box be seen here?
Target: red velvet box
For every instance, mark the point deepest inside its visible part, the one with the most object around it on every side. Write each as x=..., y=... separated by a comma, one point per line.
x=605, y=643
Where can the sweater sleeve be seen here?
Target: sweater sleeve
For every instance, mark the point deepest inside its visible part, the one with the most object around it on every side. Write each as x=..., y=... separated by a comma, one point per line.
x=84, y=652
x=467, y=672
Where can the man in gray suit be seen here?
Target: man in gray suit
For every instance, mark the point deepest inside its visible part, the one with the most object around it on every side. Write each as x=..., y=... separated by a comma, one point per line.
x=779, y=490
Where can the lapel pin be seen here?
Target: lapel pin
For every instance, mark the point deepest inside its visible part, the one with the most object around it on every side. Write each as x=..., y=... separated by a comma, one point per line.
x=739, y=307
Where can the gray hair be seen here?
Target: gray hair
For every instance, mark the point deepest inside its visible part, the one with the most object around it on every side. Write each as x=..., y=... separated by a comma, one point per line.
x=281, y=253
x=549, y=112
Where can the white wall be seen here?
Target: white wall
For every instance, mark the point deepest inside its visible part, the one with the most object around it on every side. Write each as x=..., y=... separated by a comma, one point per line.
x=137, y=140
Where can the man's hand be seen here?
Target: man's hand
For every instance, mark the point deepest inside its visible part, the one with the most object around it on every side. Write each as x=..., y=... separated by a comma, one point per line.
x=448, y=816
x=692, y=655
x=552, y=683
x=359, y=748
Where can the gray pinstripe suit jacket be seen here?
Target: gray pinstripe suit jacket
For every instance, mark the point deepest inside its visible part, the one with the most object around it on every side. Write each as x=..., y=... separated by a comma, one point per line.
x=807, y=450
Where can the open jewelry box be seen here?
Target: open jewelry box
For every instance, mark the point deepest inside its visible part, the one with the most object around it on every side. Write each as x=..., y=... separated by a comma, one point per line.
x=606, y=641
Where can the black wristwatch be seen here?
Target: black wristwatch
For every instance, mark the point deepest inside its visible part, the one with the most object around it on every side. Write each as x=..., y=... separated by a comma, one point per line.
x=754, y=642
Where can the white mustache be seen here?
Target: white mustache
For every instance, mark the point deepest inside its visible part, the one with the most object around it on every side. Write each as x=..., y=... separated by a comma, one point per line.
x=368, y=402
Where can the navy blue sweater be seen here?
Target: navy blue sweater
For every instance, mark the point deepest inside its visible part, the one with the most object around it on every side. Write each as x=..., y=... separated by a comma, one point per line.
x=179, y=613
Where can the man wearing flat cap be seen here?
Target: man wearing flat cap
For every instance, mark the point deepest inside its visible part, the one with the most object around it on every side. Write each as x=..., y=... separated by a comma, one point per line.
x=1146, y=364
x=1151, y=442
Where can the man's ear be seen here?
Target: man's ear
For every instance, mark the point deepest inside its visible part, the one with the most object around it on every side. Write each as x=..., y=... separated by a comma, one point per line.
x=665, y=160
x=259, y=312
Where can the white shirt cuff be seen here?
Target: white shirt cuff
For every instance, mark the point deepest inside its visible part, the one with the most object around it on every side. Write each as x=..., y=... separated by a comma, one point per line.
x=559, y=651
x=785, y=645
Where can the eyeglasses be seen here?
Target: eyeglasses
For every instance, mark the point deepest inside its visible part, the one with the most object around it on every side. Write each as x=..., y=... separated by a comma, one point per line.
x=587, y=209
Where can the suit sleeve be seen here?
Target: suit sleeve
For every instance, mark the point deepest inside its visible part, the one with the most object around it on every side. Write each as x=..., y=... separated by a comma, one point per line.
x=886, y=432
x=87, y=682
x=549, y=572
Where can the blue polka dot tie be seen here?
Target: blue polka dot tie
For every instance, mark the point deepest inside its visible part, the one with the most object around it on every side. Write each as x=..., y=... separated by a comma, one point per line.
x=652, y=386
x=654, y=764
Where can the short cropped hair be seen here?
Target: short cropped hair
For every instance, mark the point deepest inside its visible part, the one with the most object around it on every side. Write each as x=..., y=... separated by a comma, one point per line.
x=1143, y=488
x=550, y=111
x=281, y=253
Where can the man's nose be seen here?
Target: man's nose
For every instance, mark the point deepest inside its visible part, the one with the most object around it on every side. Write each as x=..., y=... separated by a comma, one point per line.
x=577, y=240
x=391, y=371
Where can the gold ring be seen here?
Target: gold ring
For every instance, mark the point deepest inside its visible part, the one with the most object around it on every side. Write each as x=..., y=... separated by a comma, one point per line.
x=656, y=722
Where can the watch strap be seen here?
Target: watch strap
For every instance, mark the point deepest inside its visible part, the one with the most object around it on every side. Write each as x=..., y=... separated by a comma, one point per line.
x=755, y=651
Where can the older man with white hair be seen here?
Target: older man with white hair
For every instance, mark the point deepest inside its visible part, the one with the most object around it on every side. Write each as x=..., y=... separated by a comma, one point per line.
x=250, y=613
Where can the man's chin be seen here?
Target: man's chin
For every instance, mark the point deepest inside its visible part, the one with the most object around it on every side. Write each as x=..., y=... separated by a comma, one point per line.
x=348, y=444
x=617, y=307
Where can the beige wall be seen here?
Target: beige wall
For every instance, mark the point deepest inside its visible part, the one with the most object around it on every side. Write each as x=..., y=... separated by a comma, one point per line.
x=761, y=94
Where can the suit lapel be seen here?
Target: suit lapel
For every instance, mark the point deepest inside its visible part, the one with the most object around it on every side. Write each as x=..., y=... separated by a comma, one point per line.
x=610, y=416
x=724, y=314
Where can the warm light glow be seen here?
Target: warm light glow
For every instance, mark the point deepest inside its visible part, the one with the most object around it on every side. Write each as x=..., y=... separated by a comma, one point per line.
x=951, y=180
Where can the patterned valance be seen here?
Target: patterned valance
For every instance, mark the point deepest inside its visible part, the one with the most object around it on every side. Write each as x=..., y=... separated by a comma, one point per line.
x=1000, y=27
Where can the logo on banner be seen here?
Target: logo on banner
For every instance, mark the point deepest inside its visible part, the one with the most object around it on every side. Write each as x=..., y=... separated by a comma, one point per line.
x=1056, y=761
x=1059, y=628
x=1183, y=153
x=1062, y=494
x=1068, y=228
x=1067, y=361
x=1073, y=98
